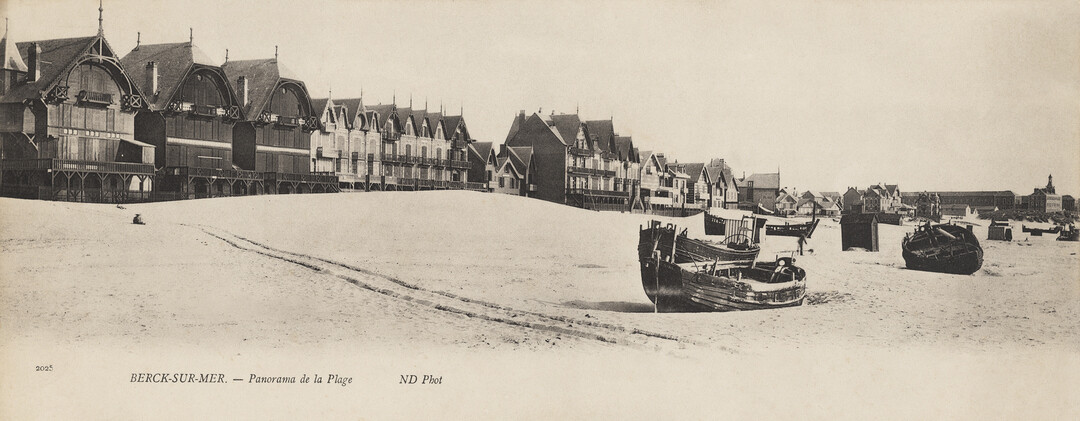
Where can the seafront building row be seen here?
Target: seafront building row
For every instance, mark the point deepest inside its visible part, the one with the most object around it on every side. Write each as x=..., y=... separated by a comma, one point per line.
x=165, y=122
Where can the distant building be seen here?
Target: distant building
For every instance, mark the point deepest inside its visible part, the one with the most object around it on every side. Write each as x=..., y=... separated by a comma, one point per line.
x=1068, y=203
x=1003, y=199
x=957, y=210
x=482, y=164
x=1044, y=199
x=928, y=205
x=725, y=192
x=851, y=201
x=759, y=190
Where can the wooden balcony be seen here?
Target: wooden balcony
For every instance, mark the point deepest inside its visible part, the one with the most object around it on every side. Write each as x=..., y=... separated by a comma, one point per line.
x=213, y=173
x=300, y=178
x=476, y=186
x=284, y=121
x=94, y=98
x=598, y=193
x=461, y=165
x=457, y=185
x=580, y=151
x=206, y=111
x=590, y=171
x=391, y=136
x=49, y=164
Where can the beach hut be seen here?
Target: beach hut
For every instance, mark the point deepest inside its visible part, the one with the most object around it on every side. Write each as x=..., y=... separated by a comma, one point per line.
x=859, y=230
x=999, y=231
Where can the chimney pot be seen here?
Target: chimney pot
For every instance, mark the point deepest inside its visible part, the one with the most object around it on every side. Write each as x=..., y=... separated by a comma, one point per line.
x=151, y=78
x=33, y=68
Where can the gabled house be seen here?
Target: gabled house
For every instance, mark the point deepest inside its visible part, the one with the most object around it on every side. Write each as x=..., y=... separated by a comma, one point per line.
x=572, y=165
x=67, y=123
x=725, y=191
x=521, y=158
x=483, y=163
x=192, y=110
x=275, y=138
x=759, y=191
x=698, y=185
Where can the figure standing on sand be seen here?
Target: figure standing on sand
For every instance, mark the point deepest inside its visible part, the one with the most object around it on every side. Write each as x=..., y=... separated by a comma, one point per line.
x=138, y=220
x=802, y=242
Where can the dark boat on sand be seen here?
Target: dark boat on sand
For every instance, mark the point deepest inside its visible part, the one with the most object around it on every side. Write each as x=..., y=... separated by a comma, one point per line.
x=793, y=230
x=943, y=248
x=735, y=249
x=1069, y=233
x=746, y=225
x=712, y=284
x=1038, y=232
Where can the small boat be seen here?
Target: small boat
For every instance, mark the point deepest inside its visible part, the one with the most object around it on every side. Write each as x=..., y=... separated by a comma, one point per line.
x=793, y=230
x=746, y=225
x=1069, y=233
x=713, y=285
x=943, y=248
x=735, y=248
x=1038, y=232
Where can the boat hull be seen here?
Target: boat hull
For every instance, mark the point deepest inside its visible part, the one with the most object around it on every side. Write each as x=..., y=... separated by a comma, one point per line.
x=943, y=248
x=713, y=285
x=792, y=230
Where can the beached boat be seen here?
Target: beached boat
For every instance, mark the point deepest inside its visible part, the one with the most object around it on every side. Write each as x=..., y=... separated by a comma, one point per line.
x=1069, y=233
x=734, y=222
x=712, y=284
x=1038, y=232
x=793, y=230
x=735, y=249
x=942, y=248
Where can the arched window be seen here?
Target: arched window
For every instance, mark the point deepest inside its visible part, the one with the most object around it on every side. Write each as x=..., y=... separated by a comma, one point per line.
x=409, y=127
x=408, y=150
x=423, y=151
x=438, y=153
x=200, y=88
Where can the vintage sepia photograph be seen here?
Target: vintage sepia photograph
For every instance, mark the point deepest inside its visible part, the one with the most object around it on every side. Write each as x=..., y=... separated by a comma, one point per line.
x=536, y=210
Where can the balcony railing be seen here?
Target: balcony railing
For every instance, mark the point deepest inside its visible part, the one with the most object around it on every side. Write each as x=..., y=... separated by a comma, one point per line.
x=475, y=186
x=204, y=110
x=593, y=192
x=371, y=157
x=391, y=136
x=591, y=171
x=427, y=183
x=285, y=121
x=49, y=164
x=213, y=172
x=580, y=151
x=461, y=165
x=409, y=182
x=456, y=184
x=95, y=98
x=301, y=178
x=389, y=157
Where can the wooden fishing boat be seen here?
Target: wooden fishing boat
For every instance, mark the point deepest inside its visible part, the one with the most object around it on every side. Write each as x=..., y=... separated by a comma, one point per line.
x=713, y=284
x=942, y=248
x=736, y=249
x=1038, y=232
x=1069, y=233
x=793, y=230
x=746, y=225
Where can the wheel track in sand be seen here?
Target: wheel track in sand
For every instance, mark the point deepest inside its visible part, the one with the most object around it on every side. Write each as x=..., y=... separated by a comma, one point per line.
x=441, y=300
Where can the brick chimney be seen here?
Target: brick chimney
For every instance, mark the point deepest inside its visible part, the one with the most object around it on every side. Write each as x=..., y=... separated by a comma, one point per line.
x=151, y=85
x=242, y=86
x=33, y=66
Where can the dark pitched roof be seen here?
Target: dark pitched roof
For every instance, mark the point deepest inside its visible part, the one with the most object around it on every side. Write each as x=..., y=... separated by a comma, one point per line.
x=9, y=55
x=624, y=145
x=604, y=132
x=263, y=76
x=319, y=105
x=173, y=63
x=694, y=170
x=522, y=155
x=481, y=149
x=764, y=181
x=567, y=126
x=515, y=126
x=384, y=111
x=353, y=108
x=57, y=56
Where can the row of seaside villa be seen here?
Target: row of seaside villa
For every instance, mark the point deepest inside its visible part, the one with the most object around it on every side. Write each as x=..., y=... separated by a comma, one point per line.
x=166, y=122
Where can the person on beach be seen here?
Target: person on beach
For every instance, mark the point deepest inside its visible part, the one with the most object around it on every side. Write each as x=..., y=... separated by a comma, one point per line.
x=802, y=242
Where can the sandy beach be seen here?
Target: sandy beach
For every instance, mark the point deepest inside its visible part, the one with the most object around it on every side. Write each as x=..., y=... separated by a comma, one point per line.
x=466, y=282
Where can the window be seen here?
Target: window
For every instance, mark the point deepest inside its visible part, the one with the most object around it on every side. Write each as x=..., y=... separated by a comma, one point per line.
x=489, y=175
x=502, y=181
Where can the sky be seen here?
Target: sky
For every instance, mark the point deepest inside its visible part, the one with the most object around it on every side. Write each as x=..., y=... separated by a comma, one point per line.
x=952, y=95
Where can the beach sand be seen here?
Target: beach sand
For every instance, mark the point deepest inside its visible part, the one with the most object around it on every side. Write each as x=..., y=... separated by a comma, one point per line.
x=491, y=289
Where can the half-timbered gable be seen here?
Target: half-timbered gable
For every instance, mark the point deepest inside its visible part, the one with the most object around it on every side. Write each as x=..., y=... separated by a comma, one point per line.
x=192, y=110
x=67, y=124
